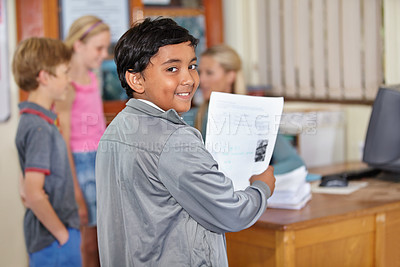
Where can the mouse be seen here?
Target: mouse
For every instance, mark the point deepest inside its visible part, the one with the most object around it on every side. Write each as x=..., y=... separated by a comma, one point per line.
x=333, y=181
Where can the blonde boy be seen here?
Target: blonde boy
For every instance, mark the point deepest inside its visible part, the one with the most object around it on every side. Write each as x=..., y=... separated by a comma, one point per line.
x=51, y=223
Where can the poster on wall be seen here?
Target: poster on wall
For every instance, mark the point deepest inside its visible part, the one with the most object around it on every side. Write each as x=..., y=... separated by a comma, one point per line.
x=4, y=68
x=115, y=13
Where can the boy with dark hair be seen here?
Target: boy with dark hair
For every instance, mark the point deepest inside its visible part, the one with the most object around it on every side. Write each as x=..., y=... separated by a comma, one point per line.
x=161, y=199
x=51, y=223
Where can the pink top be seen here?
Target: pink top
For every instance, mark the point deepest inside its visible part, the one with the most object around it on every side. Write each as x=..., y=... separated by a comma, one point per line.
x=87, y=117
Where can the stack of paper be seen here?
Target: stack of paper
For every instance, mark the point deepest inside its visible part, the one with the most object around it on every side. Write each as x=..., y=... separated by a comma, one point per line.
x=291, y=190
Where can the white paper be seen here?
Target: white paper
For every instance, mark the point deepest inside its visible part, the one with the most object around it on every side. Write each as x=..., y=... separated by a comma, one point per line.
x=291, y=190
x=291, y=181
x=299, y=205
x=241, y=134
x=291, y=199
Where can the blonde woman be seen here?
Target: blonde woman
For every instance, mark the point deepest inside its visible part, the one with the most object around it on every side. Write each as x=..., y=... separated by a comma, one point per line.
x=82, y=121
x=220, y=70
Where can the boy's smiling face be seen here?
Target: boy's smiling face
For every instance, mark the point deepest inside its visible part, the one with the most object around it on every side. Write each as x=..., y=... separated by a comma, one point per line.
x=170, y=79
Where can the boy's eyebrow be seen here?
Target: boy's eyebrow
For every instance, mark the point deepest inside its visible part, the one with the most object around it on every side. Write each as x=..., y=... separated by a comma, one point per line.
x=173, y=60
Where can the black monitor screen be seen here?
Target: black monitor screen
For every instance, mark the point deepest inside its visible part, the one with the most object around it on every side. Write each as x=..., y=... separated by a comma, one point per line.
x=382, y=143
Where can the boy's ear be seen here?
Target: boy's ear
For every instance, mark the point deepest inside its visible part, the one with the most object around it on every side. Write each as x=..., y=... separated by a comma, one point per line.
x=134, y=80
x=43, y=77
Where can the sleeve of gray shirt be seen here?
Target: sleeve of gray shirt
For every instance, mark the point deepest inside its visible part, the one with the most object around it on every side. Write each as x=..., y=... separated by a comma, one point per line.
x=191, y=175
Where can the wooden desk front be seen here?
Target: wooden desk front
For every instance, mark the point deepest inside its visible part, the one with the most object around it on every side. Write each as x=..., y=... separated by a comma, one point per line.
x=360, y=229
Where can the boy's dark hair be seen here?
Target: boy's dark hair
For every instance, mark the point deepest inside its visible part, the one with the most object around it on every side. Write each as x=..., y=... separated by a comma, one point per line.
x=142, y=41
x=35, y=54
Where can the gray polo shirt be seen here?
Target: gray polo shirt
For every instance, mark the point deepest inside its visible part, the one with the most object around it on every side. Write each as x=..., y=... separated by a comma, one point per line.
x=41, y=148
x=161, y=200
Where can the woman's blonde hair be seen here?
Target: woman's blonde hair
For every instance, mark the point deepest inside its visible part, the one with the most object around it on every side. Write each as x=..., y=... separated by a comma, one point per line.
x=229, y=59
x=83, y=28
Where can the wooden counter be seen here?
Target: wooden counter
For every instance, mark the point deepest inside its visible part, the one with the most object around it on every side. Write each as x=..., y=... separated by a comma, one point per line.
x=360, y=229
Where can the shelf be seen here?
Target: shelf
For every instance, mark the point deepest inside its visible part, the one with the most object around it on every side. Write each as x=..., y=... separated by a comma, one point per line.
x=173, y=12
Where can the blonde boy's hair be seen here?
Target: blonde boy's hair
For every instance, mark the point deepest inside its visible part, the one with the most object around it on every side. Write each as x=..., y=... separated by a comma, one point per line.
x=35, y=54
x=83, y=28
x=229, y=60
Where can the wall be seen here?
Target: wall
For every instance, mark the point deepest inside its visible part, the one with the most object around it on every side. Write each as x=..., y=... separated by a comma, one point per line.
x=309, y=49
x=392, y=41
x=12, y=246
x=355, y=123
x=241, y=19
x=357, y=119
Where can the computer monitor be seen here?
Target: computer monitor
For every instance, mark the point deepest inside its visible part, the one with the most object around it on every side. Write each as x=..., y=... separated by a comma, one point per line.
x=382, y=142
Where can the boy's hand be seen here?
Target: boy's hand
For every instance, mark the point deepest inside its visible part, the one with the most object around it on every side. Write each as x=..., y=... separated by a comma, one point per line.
x=63, y=237
x=267, y=177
